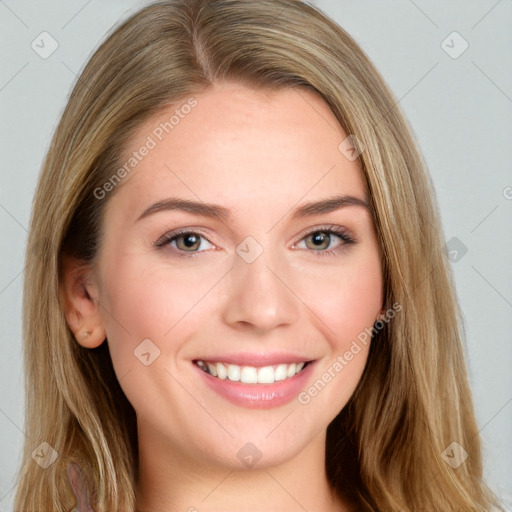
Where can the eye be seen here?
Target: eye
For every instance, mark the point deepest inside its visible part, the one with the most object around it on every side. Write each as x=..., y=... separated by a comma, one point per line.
x=183, y=241
x=321, y=239
x=190, y=243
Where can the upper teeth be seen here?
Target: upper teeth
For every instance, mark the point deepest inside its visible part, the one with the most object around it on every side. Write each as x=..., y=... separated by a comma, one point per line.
x=251, y=374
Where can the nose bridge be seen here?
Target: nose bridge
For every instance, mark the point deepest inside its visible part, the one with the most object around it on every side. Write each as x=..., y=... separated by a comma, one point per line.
x=257, y=292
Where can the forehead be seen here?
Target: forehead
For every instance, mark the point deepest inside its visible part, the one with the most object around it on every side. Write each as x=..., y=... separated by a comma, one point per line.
x=240, y=147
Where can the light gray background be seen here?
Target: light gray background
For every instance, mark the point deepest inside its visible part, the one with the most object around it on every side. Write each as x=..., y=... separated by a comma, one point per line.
x=460, y=110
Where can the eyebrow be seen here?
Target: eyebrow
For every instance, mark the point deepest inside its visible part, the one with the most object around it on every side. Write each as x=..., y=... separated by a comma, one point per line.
x=219, y=212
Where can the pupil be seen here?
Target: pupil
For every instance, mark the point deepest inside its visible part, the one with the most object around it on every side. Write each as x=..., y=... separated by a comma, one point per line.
x=190, y=240
x=319, y=237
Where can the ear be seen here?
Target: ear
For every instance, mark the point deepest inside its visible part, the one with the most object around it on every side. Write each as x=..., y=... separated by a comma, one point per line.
x=79, y=488
x=79, y=297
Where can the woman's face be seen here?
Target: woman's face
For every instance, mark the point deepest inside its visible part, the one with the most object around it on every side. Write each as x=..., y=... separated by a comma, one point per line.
x=256, y=283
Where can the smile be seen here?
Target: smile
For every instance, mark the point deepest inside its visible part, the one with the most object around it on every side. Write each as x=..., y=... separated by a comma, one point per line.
x=251, y=374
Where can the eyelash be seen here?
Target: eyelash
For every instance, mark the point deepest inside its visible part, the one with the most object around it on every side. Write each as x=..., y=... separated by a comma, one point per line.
x=330, y=230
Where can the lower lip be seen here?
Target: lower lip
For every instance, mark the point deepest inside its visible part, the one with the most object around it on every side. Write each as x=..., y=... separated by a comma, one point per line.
x=258, y=396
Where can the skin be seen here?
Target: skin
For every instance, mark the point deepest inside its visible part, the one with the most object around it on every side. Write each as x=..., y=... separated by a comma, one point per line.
x=260, y=154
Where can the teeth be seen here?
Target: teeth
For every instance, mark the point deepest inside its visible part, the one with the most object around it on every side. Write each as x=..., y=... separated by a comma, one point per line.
x=266, y=375
x=280, y=372
x=212, y=369
x=222, y=373
x=234, y=372
x=251, y=374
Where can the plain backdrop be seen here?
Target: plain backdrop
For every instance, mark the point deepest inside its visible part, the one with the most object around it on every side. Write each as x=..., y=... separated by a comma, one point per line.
x=449, y=66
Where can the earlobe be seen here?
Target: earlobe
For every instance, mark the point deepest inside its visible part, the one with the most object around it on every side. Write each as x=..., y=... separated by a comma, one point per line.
x=91, y=338
x=79, y=298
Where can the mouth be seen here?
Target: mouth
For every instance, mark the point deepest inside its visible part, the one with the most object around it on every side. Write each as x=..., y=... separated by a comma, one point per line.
x=251, y=374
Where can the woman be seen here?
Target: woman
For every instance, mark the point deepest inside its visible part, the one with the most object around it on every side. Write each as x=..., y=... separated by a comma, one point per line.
x=187, y=349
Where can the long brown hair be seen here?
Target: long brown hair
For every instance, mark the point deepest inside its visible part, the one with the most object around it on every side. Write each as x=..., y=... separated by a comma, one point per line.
x=413, y=400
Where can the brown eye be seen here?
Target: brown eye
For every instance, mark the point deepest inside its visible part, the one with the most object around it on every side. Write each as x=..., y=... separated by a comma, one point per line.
x=188, y=243
x=191, y=241
x=320, y=240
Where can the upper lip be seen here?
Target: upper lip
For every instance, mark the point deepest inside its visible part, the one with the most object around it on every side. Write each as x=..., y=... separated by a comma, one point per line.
x=255, y=359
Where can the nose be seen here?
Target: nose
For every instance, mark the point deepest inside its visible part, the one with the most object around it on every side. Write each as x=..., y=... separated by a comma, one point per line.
x=259, y=295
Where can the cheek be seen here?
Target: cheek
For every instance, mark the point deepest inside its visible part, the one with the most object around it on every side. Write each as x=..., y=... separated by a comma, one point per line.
x=347, y=303
x=151, y=301
x=346, y=298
